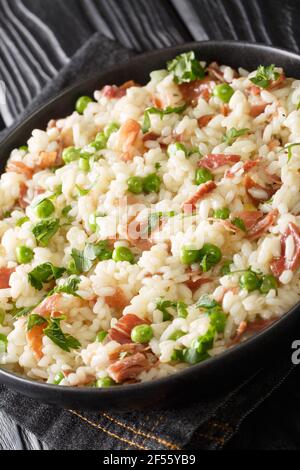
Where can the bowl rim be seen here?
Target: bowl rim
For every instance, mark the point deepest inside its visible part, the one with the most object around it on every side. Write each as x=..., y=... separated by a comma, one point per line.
x=10, y=378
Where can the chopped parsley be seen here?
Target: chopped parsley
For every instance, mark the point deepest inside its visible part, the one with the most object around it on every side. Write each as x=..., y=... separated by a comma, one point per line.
x=161, y=112
x=289, y=148
x=84, y=260
x=65, y=341
x=233, y=134
x=54, y=332
x=44, y=273
x=35, y=320
x=265, y=75
x=154, y=219
x=45, y=230
x=239, y=223
x=70, y=287
x=186, y=68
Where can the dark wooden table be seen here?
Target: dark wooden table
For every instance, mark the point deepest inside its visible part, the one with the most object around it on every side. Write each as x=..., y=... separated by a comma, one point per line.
x=146, y=25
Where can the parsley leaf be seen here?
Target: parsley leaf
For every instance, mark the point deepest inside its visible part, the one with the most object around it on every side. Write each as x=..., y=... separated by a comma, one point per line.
x=186, y=68
x=289, y=149
x=233, y=134
x=22, y=312
x=45, y=230
x=65, y=341
x=161, y=112
x=207, y=302
x=82, y=191
x=182, y=310
x=153, y=221
x=226, y=268
x=163, y=306
x=44, y=273
x=81, y=263
x=3, y=343
x=22, y=221
x=239, y=223
x=264, y=76
x=35, y=320
x=84, y=260
x=70, y=287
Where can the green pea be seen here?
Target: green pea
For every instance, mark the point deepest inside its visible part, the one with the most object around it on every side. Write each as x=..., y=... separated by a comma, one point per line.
x=24, y=254
x=105, y=382
x=21, y=221
x=176, y=335
x=101, y=336
x=203, y=175
x=84, y=164
x=135, y=184
x=268, y=283
x=249, y=281
x=151, y=183
x=44, y=209
x=217, y=320
x=110, y=129
x=82, y=102
x=224, y=92
x=222, y=213
x=58, y=378
x=70, y=154
x=3, y=343
x=23, y=148
x=142, y=334
x=189, y=256
x=2, y=316
x=121, y=253
x=100, y=141
x=210, y=255
x=97, y=145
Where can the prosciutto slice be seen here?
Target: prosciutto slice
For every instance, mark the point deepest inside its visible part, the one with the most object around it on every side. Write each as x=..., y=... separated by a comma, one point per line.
x=212, y=161
x=278, y=265
x=5, y=274
x=192, y=91
x=115, y=92
x=261, y=226
x=204, y=189
x=256, y=192
x=129, y=368
x=122, y=331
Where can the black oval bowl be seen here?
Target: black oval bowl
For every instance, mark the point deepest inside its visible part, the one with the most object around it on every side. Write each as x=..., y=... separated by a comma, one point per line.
x=222, y=371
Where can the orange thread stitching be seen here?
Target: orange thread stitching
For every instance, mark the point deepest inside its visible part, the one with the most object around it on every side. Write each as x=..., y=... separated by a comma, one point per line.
x=223, y=426
x=141, y=433
x=211, y=438
x=97, y=426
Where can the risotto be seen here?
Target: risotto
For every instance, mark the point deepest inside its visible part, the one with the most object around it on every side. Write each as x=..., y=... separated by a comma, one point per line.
x=153, y=228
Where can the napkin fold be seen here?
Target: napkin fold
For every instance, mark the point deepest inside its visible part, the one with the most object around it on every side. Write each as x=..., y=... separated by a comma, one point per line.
x=206, y=424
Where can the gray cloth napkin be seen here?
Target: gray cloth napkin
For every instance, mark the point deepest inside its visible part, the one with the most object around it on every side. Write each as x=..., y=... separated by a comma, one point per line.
x=207, y=424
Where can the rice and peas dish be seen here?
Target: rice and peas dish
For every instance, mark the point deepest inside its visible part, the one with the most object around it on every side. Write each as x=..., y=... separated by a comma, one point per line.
x=155, y=227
